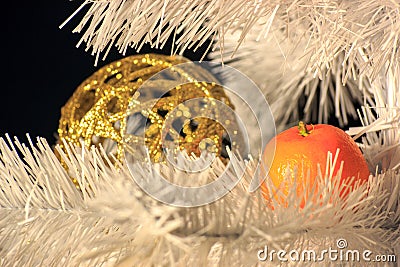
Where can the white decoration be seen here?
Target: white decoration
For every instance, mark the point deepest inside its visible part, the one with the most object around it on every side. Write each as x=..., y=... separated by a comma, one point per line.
x=45, y=220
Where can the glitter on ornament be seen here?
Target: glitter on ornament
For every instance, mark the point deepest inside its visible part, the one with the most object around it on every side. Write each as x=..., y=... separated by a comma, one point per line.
x=98, y=111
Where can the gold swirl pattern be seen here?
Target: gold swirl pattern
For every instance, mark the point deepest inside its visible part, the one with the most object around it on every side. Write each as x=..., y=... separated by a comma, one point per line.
x=98, y=111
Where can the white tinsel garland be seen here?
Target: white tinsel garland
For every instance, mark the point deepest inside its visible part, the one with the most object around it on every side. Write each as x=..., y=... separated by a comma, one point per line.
x=381, y=122
x=278, y=66
x=366, y=31
x=45, y=220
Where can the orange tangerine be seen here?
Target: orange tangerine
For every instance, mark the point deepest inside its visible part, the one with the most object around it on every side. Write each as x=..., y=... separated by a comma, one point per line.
x=304, y=147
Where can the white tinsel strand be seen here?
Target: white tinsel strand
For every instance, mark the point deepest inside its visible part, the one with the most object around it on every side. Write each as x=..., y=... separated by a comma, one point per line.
x=36, y=217
x=380, y=128
x=278, y=65
x=114, y=221
x=365, y=31
x=134, y=23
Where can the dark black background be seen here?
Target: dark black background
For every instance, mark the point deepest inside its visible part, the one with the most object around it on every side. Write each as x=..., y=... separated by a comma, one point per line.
x=42, y=65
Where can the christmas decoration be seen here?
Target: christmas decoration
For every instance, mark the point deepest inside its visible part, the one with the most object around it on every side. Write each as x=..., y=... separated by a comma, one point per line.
x=365, y=31
x=322, y=57
x=291, y=84
x=303, y=150
x=312, y=60
x=45, y=220
x=101, y=109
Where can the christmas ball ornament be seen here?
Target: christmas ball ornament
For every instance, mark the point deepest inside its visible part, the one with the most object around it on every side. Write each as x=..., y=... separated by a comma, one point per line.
x=101, y=109
x=300, y=151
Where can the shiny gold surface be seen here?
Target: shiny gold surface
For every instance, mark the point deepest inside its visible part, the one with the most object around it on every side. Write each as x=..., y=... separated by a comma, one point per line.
x=99, y=108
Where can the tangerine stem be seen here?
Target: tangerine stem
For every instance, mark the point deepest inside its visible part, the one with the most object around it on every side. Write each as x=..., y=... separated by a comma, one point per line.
x=303, y=129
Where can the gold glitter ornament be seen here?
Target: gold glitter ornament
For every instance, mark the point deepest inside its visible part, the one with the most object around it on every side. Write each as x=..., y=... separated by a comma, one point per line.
x=99, y=110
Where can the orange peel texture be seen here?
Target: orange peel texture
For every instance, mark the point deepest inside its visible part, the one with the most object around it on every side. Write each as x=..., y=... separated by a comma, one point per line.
x=304, y=147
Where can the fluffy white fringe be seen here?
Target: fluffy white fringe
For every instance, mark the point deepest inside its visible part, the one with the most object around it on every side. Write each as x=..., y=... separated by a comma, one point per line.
x=278, y=66
x=133, y=23
x=366, y=32
x=45, y=220
x=380, y=128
